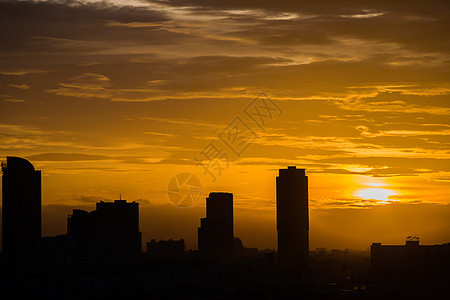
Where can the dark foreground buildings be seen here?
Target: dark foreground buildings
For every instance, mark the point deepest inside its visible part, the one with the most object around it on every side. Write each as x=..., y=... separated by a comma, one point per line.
x=411, y=263
x=292, y=216
x=166, y=248
x=100, y=257
x=216, y=232
x=109, y=233
x=21, y=209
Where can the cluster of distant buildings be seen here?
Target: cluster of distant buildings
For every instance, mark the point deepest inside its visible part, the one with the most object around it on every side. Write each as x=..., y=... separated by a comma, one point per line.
x=111, y=233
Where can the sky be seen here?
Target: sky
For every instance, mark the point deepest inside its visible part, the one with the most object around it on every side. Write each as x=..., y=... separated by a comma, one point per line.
x=114, y=99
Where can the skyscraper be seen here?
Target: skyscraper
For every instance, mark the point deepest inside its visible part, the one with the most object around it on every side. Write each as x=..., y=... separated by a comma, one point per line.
x=21, y=208
x=216, y=232
x=292, y=216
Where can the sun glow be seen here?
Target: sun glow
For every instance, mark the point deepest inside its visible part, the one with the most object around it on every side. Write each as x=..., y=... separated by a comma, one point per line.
x=377, y=184
x=375, y=193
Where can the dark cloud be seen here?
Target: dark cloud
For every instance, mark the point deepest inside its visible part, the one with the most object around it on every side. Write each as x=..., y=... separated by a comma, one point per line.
x=317, y=7
x=90, y=199
x=65, y=157
x=412, y=24
x=64, y=26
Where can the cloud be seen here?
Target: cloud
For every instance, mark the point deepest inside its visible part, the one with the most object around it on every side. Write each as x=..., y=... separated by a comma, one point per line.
x=187, y=80
x=363, y=87
x=323, y=6
x=143, y=202
x=9, y=98
x=90, y=80
x=366, y=14
x=342, y=203
x=327, y=19
x=66, y=157
x=22, y=86
x=20, y=72
x=389, y=164
x=90, y=199
x=365, y=104
x=87, y=85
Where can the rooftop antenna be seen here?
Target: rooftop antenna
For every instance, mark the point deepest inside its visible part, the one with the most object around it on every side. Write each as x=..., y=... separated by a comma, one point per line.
x=120, y=196
x=413, y=238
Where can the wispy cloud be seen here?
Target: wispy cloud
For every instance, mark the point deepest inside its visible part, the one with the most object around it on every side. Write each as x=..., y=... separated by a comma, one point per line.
x=22, y=86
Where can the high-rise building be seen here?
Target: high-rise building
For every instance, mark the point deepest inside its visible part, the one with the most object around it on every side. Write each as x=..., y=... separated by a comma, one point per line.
x=21, y=208
x=216, y=232
x=109, y=232
x=292, y=216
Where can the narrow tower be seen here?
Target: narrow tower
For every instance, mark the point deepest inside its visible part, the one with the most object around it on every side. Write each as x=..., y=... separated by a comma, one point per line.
x=292, y=216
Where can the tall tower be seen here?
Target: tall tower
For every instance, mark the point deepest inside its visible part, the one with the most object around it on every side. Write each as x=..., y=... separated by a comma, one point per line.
x=216, y=232
x=21, y=208
x=292, y=216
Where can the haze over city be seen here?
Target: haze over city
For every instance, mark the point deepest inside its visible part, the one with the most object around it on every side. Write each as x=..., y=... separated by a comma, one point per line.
x=113, y=99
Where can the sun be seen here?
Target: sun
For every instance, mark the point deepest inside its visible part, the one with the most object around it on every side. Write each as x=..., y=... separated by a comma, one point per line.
x=375, y=193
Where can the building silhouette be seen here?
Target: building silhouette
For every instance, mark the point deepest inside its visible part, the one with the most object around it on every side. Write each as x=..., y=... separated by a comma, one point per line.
x=52, y=252
x=21, y=209
x=100, y=255
x=216, y=232
x=410, y=263
x=109, y=233
x=292, y=216
x=166, y=248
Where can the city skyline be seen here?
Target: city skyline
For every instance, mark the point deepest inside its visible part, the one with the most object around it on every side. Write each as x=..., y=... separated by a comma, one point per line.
x=101, y=254
x=295, y=191
x=119, y=97
x=224, y=149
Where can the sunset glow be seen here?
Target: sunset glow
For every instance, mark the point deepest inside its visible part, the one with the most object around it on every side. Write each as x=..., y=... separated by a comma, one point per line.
x=118, y=97
x=375, y=194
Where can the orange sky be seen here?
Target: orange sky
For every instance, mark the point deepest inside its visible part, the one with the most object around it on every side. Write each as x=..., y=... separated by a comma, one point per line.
x=119, y=96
